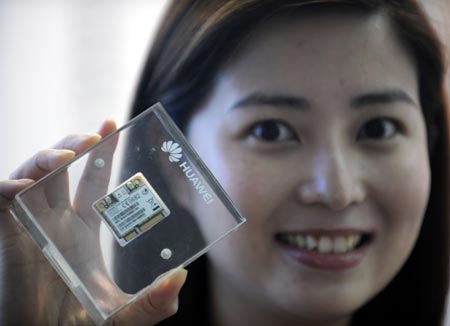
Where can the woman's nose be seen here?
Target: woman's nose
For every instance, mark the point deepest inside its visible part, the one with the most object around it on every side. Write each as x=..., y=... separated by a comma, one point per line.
x=332, y=182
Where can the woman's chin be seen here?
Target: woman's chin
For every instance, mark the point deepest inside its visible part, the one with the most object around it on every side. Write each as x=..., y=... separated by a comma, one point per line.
x=321, y=306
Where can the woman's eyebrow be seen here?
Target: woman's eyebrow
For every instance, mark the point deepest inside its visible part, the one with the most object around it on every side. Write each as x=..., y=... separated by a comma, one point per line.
x=279, y=100
x=382, y=97
x=297, y=102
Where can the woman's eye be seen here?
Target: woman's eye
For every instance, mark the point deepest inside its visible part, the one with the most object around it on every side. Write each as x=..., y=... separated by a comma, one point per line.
x=378, y=129
x=272, y=131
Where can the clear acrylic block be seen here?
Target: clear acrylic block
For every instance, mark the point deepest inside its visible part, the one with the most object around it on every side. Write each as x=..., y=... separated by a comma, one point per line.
x=126, y=211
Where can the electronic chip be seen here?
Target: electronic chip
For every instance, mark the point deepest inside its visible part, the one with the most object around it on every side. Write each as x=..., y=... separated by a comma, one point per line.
x=131, y=209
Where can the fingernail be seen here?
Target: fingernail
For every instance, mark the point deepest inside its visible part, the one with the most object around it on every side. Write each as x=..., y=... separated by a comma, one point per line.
x=64, y=152
x=93, y=134
x=168, y=287
x=107, y=127
x=104, y=123
x=164, y=277
x=24, y=181
x=91, y=138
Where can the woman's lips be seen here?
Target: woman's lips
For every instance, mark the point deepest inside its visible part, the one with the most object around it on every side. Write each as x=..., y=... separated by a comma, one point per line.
x=333, y=250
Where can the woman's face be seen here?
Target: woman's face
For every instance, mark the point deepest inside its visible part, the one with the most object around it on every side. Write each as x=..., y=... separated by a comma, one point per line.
x=315, y=130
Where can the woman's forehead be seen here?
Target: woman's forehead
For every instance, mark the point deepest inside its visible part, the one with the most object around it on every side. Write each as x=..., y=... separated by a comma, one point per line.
x=338, y=32
x=308, y=50
x=328, y=60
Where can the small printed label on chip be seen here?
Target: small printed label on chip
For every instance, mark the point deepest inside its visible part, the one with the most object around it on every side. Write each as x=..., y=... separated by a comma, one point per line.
x=131, y=209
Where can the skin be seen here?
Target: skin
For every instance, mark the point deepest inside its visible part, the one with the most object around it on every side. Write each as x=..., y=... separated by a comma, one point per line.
x=27, y=274
x=314, y=167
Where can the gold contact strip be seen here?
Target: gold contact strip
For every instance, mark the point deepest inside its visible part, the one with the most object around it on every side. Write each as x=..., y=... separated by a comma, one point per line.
x=130, y=235
x=144, y=226
x=151, y=222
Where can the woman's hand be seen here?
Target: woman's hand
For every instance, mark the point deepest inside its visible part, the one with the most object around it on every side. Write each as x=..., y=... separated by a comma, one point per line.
x=31, y=292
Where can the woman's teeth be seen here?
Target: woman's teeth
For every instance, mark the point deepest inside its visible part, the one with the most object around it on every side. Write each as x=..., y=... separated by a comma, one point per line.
x=323, y=244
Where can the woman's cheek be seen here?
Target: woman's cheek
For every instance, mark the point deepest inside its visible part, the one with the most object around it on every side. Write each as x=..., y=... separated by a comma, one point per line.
x=401, y=189
x=409, y=182
x=253, y=184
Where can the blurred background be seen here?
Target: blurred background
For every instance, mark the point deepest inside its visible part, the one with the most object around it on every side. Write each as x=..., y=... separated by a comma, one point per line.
x=65, y=66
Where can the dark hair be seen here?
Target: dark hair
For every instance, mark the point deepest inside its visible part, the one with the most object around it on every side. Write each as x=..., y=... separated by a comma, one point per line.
x=198, y=36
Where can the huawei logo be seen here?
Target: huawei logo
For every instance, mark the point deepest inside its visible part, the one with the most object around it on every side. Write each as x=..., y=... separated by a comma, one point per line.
x=197, y=182
x=173, y=149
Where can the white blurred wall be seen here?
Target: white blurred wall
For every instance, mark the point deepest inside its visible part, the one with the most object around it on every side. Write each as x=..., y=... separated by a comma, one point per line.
x=65, y=65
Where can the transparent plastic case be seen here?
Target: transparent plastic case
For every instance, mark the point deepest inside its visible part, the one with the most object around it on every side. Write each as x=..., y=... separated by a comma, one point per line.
x=129, y=209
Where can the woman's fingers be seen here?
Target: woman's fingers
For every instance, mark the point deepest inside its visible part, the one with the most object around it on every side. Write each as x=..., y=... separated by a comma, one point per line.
x=49, y=159
x=58, y=192
x=42, y=163
x=160, y=303
x=107, y=127
x=77, y=143
x=9, y=188
x=96, y=175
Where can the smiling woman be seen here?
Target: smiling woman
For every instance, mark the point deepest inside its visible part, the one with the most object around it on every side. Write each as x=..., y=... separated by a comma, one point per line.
x=325, y=121
x=358, y=136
